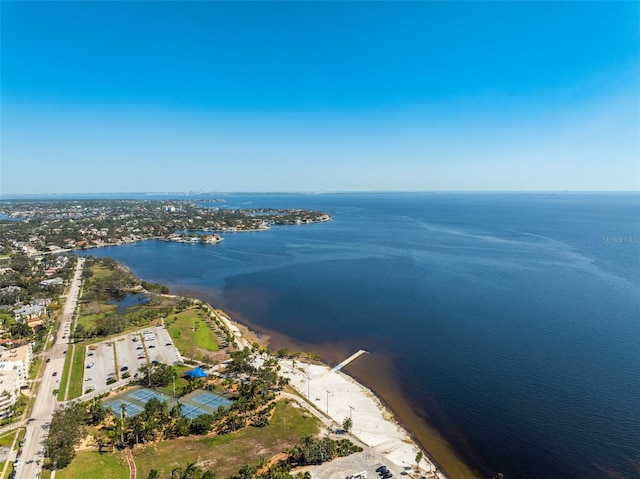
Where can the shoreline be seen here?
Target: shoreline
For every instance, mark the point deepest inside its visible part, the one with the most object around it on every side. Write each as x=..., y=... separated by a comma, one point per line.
x=375, y=423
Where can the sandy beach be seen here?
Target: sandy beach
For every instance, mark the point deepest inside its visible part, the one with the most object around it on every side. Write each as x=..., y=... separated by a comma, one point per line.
x=339, y=396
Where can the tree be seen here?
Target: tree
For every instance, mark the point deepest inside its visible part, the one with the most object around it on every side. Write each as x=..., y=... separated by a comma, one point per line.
x=153, y=375
x=419, y=457
x=97, y=411
x=65, y=432
x=153, y=474
x=347, y=424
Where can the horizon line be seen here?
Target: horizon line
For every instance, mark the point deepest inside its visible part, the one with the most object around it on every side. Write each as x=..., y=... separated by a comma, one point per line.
x=310, y=192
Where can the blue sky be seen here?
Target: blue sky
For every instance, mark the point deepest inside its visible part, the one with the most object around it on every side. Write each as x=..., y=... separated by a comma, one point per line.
x=327, y=96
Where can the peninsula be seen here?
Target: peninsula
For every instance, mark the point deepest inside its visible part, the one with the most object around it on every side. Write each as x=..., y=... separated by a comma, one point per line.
x=38, y=226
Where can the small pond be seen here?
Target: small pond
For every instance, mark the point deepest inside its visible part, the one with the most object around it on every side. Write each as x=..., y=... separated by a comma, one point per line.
x=129, y=301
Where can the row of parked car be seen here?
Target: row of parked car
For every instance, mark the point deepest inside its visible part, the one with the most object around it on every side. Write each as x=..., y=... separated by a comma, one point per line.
x=383, y=472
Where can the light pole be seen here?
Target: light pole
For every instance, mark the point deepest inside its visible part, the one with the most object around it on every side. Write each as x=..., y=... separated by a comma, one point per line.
x=308, y=385
x=327, y=402
x=351, y=408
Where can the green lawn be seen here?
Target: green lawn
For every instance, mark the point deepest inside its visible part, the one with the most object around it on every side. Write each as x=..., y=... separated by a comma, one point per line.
x=93, y=465
x=230, y=451
x=190, y=328
x=100, y=271
x=77, y=372
x=180, y=381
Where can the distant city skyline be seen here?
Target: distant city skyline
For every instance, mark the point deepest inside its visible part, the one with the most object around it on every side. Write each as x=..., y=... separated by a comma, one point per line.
x=101, y=97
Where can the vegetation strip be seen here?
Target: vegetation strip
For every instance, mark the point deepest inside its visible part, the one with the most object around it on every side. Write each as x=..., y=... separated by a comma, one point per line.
x=64, y=380
x=76, y=381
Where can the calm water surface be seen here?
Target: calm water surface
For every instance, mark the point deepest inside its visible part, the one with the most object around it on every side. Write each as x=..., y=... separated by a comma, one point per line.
x=510, y=321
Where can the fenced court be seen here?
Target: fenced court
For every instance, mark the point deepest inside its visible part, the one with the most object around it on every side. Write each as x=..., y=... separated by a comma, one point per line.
x=209, y=399
x=193, y=405
x=130, y=409
x=146, y=394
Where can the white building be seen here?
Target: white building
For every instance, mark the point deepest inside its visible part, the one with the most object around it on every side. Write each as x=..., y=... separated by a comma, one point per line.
x=14, y=375
x=9, y=389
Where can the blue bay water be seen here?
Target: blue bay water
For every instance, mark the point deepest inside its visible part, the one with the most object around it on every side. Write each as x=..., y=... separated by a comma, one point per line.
x=510, y=321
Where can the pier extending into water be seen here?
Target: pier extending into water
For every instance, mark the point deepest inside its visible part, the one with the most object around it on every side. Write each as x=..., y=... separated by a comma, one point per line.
x=349, y=359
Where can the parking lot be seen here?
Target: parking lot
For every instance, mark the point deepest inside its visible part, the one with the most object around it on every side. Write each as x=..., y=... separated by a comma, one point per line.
x=366, y=461
x=124, y=354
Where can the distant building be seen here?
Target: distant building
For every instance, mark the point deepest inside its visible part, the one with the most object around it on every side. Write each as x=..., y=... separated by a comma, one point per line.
x=51, y=281
x=29, y=311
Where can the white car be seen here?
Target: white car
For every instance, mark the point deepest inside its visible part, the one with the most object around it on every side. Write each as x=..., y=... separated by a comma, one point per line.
x=90, y=365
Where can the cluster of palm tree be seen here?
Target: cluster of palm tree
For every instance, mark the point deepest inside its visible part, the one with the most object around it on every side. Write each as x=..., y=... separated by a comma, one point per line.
x=256, y=387
x=317, y=451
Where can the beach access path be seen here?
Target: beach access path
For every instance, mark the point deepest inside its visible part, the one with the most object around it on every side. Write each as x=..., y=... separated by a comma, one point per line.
x=338, y=396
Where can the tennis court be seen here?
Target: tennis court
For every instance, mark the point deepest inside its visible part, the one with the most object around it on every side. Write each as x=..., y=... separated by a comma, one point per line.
x=130, y=409
x=210, y=399
x=193, y=405
x=146, y=394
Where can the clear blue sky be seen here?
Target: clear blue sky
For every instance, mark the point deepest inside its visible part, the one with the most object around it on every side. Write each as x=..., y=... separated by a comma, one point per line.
x=328, y=96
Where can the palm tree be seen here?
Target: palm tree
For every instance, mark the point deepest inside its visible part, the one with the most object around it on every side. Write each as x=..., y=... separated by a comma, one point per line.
x=347, y=424
x=123, y=412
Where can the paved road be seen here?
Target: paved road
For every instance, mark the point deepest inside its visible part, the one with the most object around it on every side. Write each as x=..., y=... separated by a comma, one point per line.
x=45, y=403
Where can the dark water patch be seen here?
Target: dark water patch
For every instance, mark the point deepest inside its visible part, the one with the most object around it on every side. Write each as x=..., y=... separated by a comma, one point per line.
x=129, y=300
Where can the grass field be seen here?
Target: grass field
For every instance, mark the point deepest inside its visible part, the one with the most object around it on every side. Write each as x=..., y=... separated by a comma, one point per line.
x=189, y=329
x=93, y=465
x=77, y=372
x=100, y=272
x=230, y=451
x=7, y=439
x=92, y=313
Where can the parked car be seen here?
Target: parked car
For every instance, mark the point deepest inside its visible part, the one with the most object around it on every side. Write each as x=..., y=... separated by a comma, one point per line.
x=55, y=373
x=151, y=346
x=90, y=365
x=48, y=360
x=124, y=368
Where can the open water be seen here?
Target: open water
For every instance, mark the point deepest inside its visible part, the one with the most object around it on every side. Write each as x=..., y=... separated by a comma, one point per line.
x=511, y=322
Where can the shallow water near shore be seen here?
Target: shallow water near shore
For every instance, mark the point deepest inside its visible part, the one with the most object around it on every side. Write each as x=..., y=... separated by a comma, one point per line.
x=507, y=322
